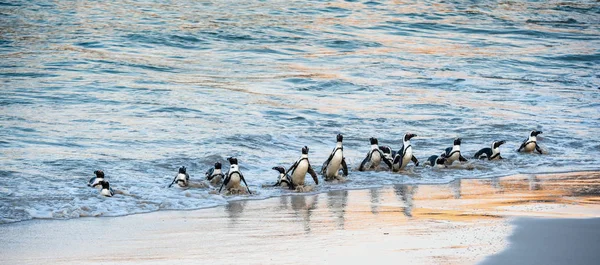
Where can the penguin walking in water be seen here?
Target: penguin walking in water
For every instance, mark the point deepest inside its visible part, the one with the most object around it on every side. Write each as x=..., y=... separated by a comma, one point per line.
x=214, y=175
x=96, y=182
x=436, y=161
x=283, y=180
x=387, y=151
x=453, y=153
x=336, y=159
x=182, y=178
x=405, y=154
x=106, y=189
x=490, y=153
x=299, y=169
x=531, y=143
x=234, y=177
x=374, y=157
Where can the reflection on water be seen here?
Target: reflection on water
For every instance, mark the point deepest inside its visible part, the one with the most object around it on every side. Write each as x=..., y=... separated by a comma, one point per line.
x=235, y=210
x=534, y=183
x=336, y=203
x=303, y=206
x=456, y=188
x=375, y=201
x=405, y=194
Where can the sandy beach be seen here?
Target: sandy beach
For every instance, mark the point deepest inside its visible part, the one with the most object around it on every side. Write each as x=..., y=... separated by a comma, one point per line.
x=490, y=221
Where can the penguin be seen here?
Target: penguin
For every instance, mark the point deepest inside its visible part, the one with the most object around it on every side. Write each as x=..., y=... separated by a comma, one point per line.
x=405, y=154
x=299, y=169
x=95, y=182
x=283, y=179
x=436, y=161
x=531, y=143
x=453, y=153
x=336, y=159
x=387, y=152
x=106, y=189
x=234, y=177
x=374, y=157
x=182, y=178
x=214, y=175
x=490, y=153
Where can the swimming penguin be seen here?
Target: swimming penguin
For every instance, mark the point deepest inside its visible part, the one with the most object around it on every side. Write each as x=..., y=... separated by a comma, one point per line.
x=234, y=177
x=490, y=153
x=453, y=153
x=214, y=175
x=531, y=143
x=95, y=182
x=374, y=157
x=283, y=179
x=300, y=168
x=336, y=159
x=436, y=161
x=182, y=178
x=106, y=189
x=405, y=154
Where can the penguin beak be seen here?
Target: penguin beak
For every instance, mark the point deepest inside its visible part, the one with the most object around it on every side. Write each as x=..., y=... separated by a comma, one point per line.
x=501, y=143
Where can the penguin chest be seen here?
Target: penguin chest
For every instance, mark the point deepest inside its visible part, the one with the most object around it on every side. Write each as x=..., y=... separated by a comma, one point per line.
x=407, y=156
x=300, y=173
x=216, y=179
x=181, y=180
x=455, y=156
x=234, y=180
x=334, y=164
x=529, y=147
x=375, y=159
x=106, y=192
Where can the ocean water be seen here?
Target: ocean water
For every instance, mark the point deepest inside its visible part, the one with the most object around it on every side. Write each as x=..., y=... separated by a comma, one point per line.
x=139, y=88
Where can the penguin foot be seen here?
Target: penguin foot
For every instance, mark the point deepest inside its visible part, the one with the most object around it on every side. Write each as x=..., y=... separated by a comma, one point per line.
x=237, y=191
x=304, y=188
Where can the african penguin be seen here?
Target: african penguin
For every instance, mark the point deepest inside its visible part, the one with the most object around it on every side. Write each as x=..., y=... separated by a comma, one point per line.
x=336, y=159
x=299, y=169
x=453, y=153
x=490, y=153
x=387, y=152
x=405, y=154
x=214, y=175
x=283, y=179
x=234, y=177
x=95, y=182
x=374, y=157
x=531, y=143
x=436, y=161
x=106, y=189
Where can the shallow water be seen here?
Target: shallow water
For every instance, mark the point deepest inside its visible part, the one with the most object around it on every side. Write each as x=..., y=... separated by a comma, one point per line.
x=139, y=88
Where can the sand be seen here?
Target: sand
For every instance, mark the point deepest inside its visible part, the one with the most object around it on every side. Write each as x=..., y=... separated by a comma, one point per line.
x=463, y=222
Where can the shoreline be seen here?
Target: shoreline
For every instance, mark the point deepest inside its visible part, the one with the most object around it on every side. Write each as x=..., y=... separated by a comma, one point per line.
x=460, y=222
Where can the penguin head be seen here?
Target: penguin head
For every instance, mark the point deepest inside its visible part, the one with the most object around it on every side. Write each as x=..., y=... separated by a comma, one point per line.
x=408, y=136
x=373, y=140
x=99, y=173
x=305, y=150
x=182, y=170
x=218, y=165
x=105, y=185
x=457, y=141
x=232, y=160
x=441, y=160
x=497, y=144
x=279, y=169
x=340, y=137
x=535, y=133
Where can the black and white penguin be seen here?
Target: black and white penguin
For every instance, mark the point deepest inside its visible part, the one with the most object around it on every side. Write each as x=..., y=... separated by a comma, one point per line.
x=405, y=154
x=95, y=182
x=106, y=189
x=453, y=153
x=531, y=143
x=182, y=178
x=387, y=152
x=374, y=157
x=336, y=159
x=490, y=153
x=436, y=161
x=283, y=179
x=300, y=168
x=234, y=177
x=215, y=175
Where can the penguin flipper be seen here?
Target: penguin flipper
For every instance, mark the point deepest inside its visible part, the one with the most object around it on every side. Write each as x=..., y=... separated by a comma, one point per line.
x=385, y=160
x=431, y=160
x=462, y=158
x=209, y=173
x=172, y=182
x=485, y=151
x=91, y=181
x=326, y=163
x=225, y=182
x=397, y=160
x=364, y=162
x=448, y=151
x=244, y=180
x=344, y=166
x=537, y=148
x=187, y=177
x=312, y=173
x=522, y=146
x=415, y=160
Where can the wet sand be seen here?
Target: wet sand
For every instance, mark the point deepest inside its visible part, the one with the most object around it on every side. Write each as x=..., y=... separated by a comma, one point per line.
x=463, y=222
